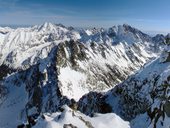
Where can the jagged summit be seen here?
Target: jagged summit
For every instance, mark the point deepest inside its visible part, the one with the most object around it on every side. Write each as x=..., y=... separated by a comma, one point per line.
x=50, y=27
x=46, y=26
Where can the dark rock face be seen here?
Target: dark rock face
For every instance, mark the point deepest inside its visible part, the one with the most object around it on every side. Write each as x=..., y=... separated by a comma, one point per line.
x=75, y=51
x=33, y=87
x=167, y=37
x=69, y=126
x=5, y=70
x=130, y=101
x=168, y=57
x=3, y=32
x=38, y=90
x=137, y=96
x=135, y=31
x=165, y=56
x=3, y=92
x=159, y=38
x=21, y=126
x=167, y=108
x=92, y=103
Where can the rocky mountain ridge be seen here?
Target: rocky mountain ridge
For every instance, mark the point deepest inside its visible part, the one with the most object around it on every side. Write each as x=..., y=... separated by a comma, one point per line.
x=53, y=65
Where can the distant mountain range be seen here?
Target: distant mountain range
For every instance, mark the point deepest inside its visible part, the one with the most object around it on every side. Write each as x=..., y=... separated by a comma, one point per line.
x=57, y=76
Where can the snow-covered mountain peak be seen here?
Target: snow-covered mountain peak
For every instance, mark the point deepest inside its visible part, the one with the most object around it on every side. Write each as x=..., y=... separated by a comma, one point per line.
x=22, y=43
x=50, y=27
x=159, y=38
x=168, y=35
x=128, y=34
x=113, y=35
x=113, y=30
x=129, y=28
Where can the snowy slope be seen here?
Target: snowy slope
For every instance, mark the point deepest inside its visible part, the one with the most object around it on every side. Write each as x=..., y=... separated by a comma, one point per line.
x=99, y=67
x=143, y=98
x=75, y=119
x=13, y=105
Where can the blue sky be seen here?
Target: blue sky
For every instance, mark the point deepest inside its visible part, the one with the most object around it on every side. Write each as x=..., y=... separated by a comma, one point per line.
x=151, y=15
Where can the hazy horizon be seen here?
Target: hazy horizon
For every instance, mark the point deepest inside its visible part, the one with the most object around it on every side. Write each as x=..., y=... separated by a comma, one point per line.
x=146, y=15
x=149, y=32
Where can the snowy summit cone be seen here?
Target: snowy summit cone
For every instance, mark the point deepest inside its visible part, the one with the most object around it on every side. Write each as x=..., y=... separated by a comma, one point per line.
x=47, y=26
